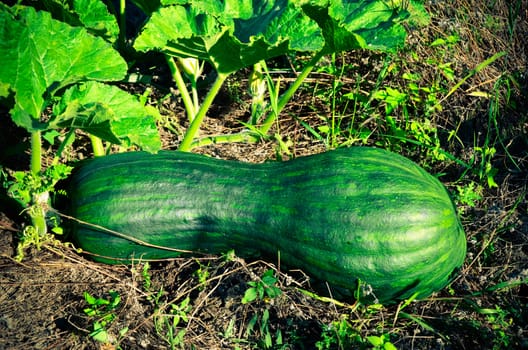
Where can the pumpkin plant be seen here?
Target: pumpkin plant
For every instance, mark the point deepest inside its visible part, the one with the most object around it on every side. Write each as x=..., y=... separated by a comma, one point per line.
x=233, y=34
x=52, y=77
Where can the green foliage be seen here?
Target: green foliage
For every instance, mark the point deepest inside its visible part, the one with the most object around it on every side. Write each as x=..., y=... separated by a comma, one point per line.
x=26, y=187
x=202, y=273
x=259, y=327
x=49, y=55
x=347, y=331
x=103, y=311
x=33, y=191
x=397, y=108
x=381, y=342
x=145, y=274
x=262, y=289
x=498, y=320
x=514, y=14
x=54, y=71
x=257, y=88
x=109, y=113
x=468, y=195
x=95, y=16
x=408, y=110
x=232, y=35
x=71, y=57
x=337, y=333
x=391, y=116
x=167, y=324
x=168, y=315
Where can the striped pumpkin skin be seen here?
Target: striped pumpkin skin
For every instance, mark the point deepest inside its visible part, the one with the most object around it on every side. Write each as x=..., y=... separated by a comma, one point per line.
x=348, y=214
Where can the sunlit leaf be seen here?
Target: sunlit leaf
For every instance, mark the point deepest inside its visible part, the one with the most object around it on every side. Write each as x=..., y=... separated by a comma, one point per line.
x=360, y=24
x=116, y=116
x=41, y=55
x=249, y=295
x=230, y=34
x=94, y=15
x=235, y=34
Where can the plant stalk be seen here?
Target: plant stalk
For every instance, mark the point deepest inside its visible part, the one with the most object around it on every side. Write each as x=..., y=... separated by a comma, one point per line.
x=97, y=146
x=36, y=153
x=37, y=211
x=186, y=143
x=122, y=23
x=195, y=97
x=37, y=214
x=180, y=83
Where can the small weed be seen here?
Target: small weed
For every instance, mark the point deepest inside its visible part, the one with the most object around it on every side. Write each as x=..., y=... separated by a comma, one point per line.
x=483, y=159
x=229, y=256
x=332, y=129
x=404, y=130
x=468, y=195
x=444, y=48
x=347, y=332
x=339, y=127
x=145, y=273
x=381, y=342
x=168, y=316
x=514, y=12
x=339, y=333
x=104, y=312
x=485, y=169
x=229, y=331
x=500, y=322
x=283, y=146
x=153, y=296
x=167, y=324
x=266, y=340
x=342, y=334
x=263, y=289
x=202, y=273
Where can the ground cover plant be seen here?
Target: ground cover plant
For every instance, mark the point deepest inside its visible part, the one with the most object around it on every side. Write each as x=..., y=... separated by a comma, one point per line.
x=453, y=98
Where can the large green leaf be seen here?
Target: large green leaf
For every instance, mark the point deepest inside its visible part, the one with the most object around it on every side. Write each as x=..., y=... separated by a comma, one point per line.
x=236, y=33
x=108, y=112
x=94, y=15
x=230, y=34
x=360, y=24
x=41, y=55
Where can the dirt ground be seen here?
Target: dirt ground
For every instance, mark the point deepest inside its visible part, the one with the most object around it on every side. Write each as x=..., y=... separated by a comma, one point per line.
x=43, y=301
